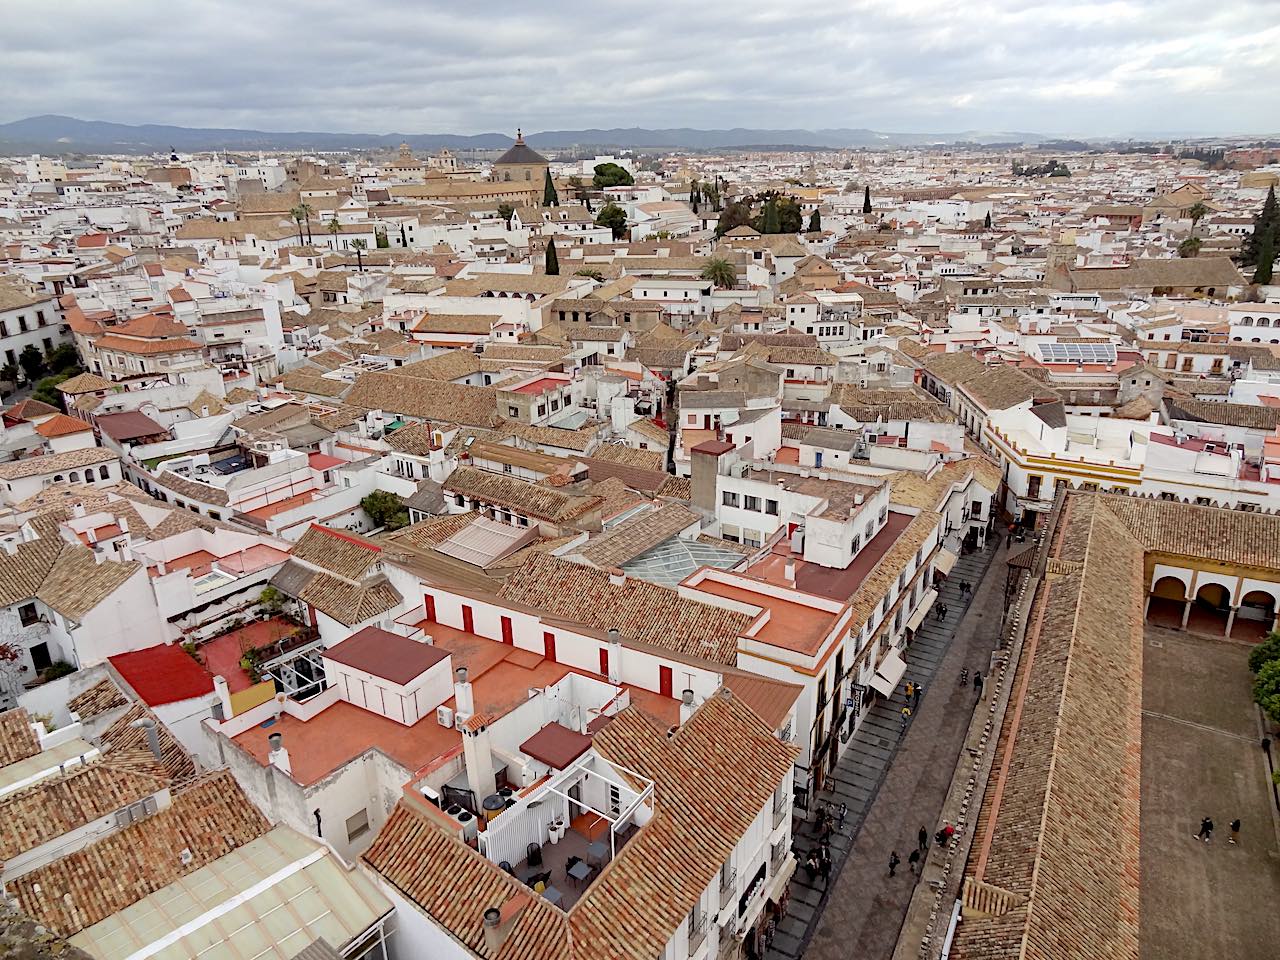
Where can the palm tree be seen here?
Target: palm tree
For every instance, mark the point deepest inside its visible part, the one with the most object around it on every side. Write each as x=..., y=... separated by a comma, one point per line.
x=720, y=272
x=1197, y=212
x=298, y=215
x=334, y=229
x=359, y=245
x=306, y=215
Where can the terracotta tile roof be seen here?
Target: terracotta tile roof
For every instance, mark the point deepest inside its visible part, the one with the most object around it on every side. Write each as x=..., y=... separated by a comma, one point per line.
x=634, y=536
x=190, y=489
x=954, y=368
x=417, y=439
x=209, y=819
x=633, y=456
x=109, y=341
x=98, y=699
x=399, y=392
x=1206, y=533
x=55, y=462
x=58, y=805
x=678, y=488
x=62, y=426
x=579, y=440
x=638, y=609
x=342, y=554
x=17, y=740
x=29, y=409
x=349, y=603
x=532, y=499
x=122, y=737
x=631, y=911
x=1246, y=415
x=1069, y=799
x=908, y=403
x=77, y=582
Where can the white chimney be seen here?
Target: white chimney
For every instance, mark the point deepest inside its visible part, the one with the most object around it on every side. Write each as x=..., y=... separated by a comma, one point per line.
x=77, y=510
x=616, y=577
x=464, y=699
x=686, y=706
x=789, y=570
x=477, y=754
x=123, y=524
x=278, y=755
x=224, y=695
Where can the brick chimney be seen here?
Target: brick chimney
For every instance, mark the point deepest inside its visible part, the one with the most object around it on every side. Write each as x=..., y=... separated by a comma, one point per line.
x=708, y=460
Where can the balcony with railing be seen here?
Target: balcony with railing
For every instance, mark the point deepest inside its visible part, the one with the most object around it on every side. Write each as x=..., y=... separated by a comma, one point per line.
x=781, y=807
x=728, y=883
x=697, y=933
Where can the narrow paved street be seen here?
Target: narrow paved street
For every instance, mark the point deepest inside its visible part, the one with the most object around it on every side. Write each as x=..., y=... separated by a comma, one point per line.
x=889, y=801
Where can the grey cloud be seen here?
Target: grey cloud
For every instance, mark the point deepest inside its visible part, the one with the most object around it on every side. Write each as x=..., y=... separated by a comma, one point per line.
x=1070, y=66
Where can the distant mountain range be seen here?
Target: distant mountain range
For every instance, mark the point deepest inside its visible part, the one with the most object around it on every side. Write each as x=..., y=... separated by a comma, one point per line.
x=56, y=134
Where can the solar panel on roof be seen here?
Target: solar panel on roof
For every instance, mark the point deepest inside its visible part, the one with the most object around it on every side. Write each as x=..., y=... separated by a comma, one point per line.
x=1078, y=352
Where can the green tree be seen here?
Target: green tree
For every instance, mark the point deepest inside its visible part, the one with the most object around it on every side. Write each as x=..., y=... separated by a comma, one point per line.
x=380, y=238
x=720, y=272
x=506, y=211
x=1265, y=652
x=63, y=359
x=549, y=196
x=307, y=211
x=1266, y=689
x=550, y=262
x=1265, y=224
x=1261, y=273
x=9, y=373
x=815, y=221
x=32, y=362
x=736, y=214
x=986, y=222
x=591, y=272
x=359, y=247
x=1189, y=247
x=385, y=509
x=46, y=389
x=866, y=199
x=614, y=217
x=790, y=216
x=334, y=229
x=298, y=215
x=769, y=221
x=1197, y=212
x=611, y=175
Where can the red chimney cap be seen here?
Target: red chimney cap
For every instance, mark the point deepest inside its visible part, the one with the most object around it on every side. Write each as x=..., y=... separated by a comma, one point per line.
x=715, y=448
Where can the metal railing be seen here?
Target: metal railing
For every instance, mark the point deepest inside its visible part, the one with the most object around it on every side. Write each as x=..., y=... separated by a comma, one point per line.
x=780, y=807
x=697, y=933
x=728, y=882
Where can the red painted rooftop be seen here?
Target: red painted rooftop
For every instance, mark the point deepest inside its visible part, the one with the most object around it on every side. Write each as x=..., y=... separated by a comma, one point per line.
x=163, y=674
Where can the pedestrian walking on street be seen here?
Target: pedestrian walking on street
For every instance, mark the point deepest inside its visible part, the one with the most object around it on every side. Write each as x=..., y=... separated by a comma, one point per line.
x=906, y=717
x=911, y=689
x=977, y=683
x=1206, y=830
x=924, y=839
x=915, y=694
x=1235, y=831
x=913, y=860
x=894, y=860
x=812, y=866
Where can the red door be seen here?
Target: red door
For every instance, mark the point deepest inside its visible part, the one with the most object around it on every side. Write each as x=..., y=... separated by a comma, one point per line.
x=506, y=631
x=664, y=681
x=549, y=645
x=429, y=605
x=468, y=619
x=604, y=661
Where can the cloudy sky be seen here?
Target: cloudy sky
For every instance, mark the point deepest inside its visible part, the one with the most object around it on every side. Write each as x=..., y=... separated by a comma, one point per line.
x=422, y=66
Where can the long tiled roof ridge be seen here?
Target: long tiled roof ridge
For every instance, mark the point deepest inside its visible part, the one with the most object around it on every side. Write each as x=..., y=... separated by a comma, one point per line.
x=208, y=820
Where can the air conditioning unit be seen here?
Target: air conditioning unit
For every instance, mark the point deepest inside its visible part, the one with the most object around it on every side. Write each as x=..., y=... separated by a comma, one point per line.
x=444, y=716
x=460, y=720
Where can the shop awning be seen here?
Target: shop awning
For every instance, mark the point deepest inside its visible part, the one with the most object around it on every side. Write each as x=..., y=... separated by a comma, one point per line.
x=779, y=882
x=945, y=561
x=922, y=610
x=887, y=676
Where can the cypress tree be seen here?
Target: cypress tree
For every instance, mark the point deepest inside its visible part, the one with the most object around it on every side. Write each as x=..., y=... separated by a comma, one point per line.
x=551, y=263
x=987, y=221
x=815, y=221
x=549, y=196
x=866, y=199
x=1266, y=259
x=770, y=222
x=1266, y=223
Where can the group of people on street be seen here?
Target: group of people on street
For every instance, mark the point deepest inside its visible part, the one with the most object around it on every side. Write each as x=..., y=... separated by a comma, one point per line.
x=1206, y=830
x=915, y=859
